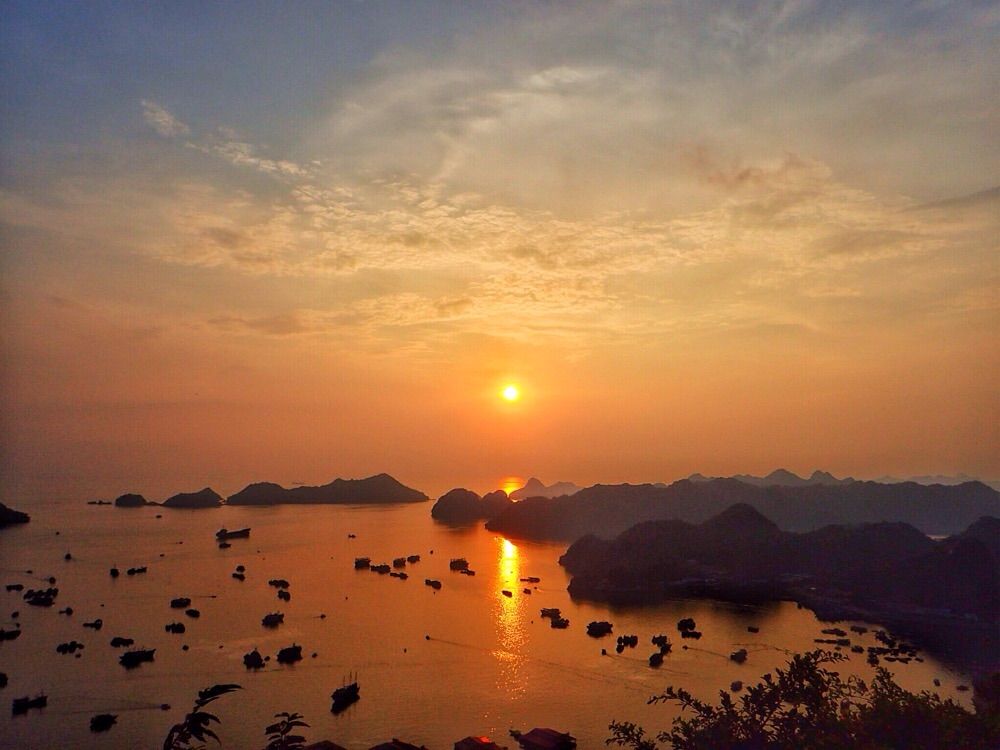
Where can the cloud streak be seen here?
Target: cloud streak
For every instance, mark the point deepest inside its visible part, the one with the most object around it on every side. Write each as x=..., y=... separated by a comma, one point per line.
x=162, y=121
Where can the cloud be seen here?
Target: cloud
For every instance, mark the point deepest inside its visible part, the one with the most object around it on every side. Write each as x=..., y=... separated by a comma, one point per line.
x=242, y=154
x=162, y=121
x=287, y=324
x=603, y=107
x=646, y=169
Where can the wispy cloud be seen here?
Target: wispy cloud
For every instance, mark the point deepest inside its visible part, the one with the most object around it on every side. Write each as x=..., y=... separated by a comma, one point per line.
x=162, y=121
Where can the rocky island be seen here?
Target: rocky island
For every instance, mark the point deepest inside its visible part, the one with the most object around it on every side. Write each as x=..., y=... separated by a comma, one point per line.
x=882, y=572
x=10, y=516
x=465, y=506
x=380, y=488
x=611, y=509
x=206, y=498
x=130, y=500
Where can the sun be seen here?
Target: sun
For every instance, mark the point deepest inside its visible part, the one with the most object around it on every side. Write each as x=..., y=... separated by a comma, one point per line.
x=511, y=392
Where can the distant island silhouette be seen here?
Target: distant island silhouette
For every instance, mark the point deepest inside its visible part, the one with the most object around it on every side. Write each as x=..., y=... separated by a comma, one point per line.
x=9, y=516
x=131, y=500
x=205, y=498
x=781, y=478
x=380, y=488
x=610, y=509
x=465, y=506
x=536, y=488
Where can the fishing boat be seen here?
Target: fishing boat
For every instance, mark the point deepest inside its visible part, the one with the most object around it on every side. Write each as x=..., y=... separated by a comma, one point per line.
x=224, y=534
x=345, y=696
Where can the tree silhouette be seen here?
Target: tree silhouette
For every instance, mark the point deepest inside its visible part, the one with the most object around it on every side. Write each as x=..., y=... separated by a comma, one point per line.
x=807, y=705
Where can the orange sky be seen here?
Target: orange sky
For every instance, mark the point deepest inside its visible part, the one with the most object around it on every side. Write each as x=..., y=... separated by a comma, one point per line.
x=719, y=241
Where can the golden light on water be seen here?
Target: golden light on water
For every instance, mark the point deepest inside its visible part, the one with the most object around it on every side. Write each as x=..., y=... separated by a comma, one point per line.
x=509, y=553
x=509, y=618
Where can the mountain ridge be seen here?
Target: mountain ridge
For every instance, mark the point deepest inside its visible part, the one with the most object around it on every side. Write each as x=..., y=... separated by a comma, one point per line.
x=610, y=509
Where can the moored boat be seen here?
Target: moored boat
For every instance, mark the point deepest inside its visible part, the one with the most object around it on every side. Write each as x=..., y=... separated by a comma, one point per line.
x=223, y=534
x=345, y=696
x=21, y=705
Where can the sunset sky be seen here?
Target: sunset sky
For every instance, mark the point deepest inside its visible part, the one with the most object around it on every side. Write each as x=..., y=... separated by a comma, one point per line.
x=291, y=242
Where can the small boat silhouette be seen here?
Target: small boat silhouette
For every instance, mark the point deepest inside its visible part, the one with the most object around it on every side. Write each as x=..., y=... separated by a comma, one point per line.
x=345, y=696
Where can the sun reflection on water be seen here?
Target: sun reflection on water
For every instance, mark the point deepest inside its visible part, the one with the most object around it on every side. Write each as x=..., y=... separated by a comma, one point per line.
x=509, y=615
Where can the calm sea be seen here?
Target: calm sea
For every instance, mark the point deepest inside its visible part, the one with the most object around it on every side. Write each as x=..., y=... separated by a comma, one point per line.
x=490, y=663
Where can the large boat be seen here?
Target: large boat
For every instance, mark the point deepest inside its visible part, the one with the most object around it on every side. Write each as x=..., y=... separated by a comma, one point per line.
x=21, y=705
x=131, y=659
x=345, y=696
x=223, y=534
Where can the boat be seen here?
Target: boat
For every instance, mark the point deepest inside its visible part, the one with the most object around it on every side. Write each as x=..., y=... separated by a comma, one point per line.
x=102, y=722
x=253, y=660
x=272, y=620
x=345, y=696
x=20, y=706
x=290, y=654
x=9, y=635
x=598, y=628
x=224, y=534
x=131, y=659
x=360, y=563
x=436, y=585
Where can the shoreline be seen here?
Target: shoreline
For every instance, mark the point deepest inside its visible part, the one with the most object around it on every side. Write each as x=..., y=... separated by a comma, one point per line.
x=960, y=641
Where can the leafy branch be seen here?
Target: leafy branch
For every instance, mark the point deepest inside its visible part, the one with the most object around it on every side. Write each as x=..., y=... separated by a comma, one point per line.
x=196, y=725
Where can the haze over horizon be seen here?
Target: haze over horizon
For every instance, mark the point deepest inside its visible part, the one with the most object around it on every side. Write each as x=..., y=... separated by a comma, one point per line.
x=316, y=240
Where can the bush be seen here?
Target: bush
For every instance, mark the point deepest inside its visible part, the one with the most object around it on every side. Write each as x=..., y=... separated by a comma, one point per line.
x=809, y=706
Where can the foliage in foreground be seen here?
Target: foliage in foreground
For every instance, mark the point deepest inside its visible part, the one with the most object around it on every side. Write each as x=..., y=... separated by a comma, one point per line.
x=808, y=705
x=279, y=734
x=196, y=725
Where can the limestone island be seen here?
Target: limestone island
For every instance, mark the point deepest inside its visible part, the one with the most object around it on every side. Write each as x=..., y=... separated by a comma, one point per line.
x=534, y=487
x=130, y=500
x=461, y=506
x=380, y=488
x=206, y=498
x=890, y=573
x=607, y=510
